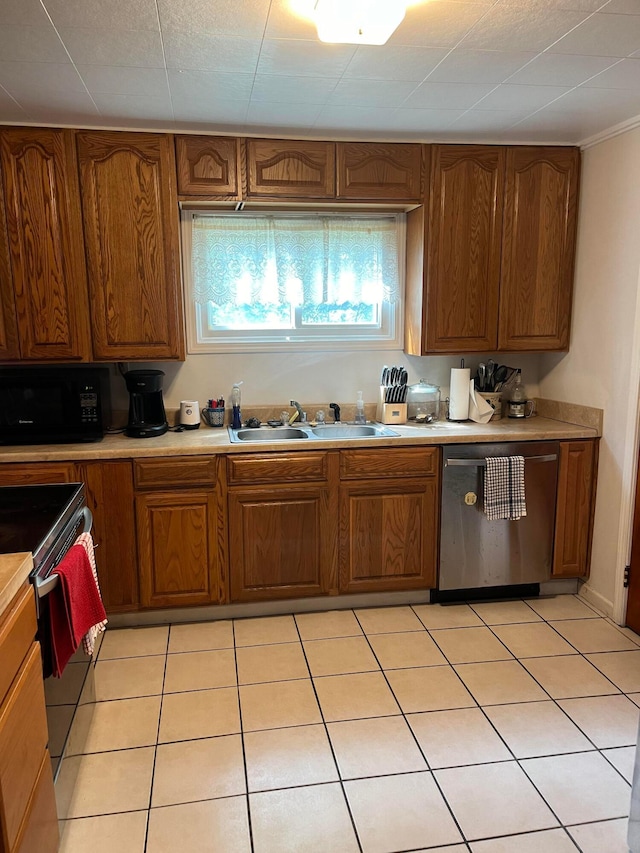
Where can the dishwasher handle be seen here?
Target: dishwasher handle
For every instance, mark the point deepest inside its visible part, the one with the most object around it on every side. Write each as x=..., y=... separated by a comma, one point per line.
x=482, y=463
x=45, y=585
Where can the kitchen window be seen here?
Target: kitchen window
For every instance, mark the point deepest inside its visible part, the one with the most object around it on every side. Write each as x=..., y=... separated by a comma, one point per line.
x=312, y=280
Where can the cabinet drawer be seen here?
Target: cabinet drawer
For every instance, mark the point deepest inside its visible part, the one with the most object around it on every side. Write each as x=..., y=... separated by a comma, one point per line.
x=17, y=632
x=196, y=471
x=23, y=741
x=405, y=462
x=19, y=474
x=277, y=468
x=40, y=827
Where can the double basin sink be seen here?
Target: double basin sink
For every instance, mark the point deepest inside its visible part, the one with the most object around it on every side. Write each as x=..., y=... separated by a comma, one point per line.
x=306, y=431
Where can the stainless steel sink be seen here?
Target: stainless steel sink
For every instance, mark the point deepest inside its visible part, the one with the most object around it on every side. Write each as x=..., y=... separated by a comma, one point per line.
x=324, y=433
x=334, y=431
x=267, y=434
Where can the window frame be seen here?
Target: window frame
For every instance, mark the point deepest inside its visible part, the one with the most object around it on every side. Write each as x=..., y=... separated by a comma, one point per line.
x=390, y=338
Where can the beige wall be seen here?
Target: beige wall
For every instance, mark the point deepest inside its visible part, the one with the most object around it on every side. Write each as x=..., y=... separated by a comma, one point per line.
x=601, y=368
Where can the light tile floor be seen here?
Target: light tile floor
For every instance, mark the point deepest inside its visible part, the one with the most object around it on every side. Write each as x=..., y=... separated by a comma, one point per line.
x=491, y=728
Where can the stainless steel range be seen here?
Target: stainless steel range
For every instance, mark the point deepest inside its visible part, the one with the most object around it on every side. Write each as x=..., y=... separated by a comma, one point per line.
x=46, y=520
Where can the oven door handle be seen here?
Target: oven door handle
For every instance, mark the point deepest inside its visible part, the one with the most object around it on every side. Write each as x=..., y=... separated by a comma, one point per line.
x=45, y=585
x=481, y=463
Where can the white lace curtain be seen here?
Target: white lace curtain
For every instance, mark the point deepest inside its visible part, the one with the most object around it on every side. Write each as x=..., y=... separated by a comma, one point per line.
x=275, y=259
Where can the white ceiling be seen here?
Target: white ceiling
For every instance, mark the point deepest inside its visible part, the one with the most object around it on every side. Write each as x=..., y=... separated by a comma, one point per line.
x=558, y=71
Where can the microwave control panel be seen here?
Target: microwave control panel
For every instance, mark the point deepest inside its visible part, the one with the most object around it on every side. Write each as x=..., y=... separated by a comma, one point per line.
x=88, y=406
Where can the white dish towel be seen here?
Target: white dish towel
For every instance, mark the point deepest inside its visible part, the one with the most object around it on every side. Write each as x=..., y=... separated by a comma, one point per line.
x=504, y=494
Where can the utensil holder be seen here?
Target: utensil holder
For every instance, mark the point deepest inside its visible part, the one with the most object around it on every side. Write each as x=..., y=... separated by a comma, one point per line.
x=494, y=399
x=213, y=417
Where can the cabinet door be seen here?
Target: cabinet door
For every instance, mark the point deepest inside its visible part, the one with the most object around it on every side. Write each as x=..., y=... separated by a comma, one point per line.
x=538, y=248
x=130, y=213
x=109, y=491
x=45, y=243
x=388, y=535
x=209, y=166
x=281, y=542
x=9, y=343
x=33, y=473
x=369, y=170
x=295, y=169
x=177, y=549
x=577, y=474
x=462, y=265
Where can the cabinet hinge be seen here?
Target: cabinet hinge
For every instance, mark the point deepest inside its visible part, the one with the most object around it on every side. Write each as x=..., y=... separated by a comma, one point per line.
x=627, y=575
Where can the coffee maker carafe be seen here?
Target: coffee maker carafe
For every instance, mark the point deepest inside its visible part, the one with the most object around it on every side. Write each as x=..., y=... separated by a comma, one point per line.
x=147, y=416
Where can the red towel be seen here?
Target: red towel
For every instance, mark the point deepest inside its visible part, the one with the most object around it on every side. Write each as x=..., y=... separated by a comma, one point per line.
x=75, y=606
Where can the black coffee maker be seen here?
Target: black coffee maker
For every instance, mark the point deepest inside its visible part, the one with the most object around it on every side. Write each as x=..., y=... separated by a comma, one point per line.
x=147, y=416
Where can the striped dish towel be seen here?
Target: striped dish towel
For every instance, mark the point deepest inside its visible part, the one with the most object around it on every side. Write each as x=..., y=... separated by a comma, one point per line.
x=504, y=495
x=89, y=639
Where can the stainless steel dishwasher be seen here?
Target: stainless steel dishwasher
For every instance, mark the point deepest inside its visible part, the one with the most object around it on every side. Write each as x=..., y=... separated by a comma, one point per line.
x=475, y=553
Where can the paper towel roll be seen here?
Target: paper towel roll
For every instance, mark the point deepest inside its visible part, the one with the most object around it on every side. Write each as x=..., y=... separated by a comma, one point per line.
x=459, y=394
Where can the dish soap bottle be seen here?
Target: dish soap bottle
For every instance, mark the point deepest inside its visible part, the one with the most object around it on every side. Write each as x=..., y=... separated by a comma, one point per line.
x=518, y=399
x=360, y=418
x=235, y=406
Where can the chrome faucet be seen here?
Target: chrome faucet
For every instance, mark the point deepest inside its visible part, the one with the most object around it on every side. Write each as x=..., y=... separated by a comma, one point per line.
x=336, y=411
x=298, y=409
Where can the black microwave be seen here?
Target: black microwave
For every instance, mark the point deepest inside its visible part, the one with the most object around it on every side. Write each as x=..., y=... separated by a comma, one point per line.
x=52, y=405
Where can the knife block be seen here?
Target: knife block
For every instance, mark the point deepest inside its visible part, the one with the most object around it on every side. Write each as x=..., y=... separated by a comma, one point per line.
x=390, y=413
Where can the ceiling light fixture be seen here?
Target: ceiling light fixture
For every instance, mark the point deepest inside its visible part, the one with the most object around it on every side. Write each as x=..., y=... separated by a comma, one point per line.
x=358, y=21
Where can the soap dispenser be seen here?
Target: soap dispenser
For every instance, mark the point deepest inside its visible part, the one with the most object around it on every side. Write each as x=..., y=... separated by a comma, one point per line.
x=360, y=418
x=235, y=406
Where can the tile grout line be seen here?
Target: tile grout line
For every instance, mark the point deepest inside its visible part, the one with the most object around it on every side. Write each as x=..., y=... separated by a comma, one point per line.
x=327, y=735
x=155, y=749
x=244, y=752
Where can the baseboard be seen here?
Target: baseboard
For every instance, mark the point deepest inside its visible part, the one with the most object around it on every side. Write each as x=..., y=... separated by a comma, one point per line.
x=562, y=586
x=598, y=601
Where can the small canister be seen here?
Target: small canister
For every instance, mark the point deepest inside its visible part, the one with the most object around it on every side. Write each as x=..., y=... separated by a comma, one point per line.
x=189, y=414
x=423, y=402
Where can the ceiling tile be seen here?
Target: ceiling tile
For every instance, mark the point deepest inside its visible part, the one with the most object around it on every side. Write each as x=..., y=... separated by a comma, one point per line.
x=370, y=93
x=61, y=107
x=282, y=90
x=531, y=32
x=141, y=48
x=617, y=103
x=204, y=52
x=427, y=121
x=291, y=116
x=556, y=69
x=120, y=107
x=31, y=44
x=623, y=75
x=118, y=80
x=304, y=58
x=9, y=109
x=21, y=79
x=525, y=98
x=208, y=86
x=623, y=7
x=27, y=13
x=291, y=20
x=447, y=95
x=338, y=118
x=391, y=62
x=551, y=125
x=438, y=23
x=223, y=113
x=487, y=120
x=219, y=17
x=603, y=35
x=104, y=14
x=479, y=66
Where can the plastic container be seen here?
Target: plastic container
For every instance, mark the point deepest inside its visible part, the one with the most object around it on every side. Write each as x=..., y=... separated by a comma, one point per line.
x=235, y=406
x=360, y=416
x=423, y=402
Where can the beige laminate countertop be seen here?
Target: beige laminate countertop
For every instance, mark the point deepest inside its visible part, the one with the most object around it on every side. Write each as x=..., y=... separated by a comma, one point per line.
x=208, y=440
x=14, y=570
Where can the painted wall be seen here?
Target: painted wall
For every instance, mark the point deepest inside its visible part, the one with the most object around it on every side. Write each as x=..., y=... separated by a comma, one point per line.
x=599, y=369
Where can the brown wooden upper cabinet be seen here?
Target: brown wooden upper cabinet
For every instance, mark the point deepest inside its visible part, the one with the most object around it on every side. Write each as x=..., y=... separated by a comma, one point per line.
x=42, y=264
x=209, y=166
x=490, y=262
x=389, y=172
x=130, y=209
x=299, y=169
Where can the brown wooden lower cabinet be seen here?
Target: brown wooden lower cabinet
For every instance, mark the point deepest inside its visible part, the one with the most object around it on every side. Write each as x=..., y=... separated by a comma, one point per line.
x=28, y=819
x=177, y=548
x=388, y=535
x=31, y=473
x=577, y=476
x=281, y=541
